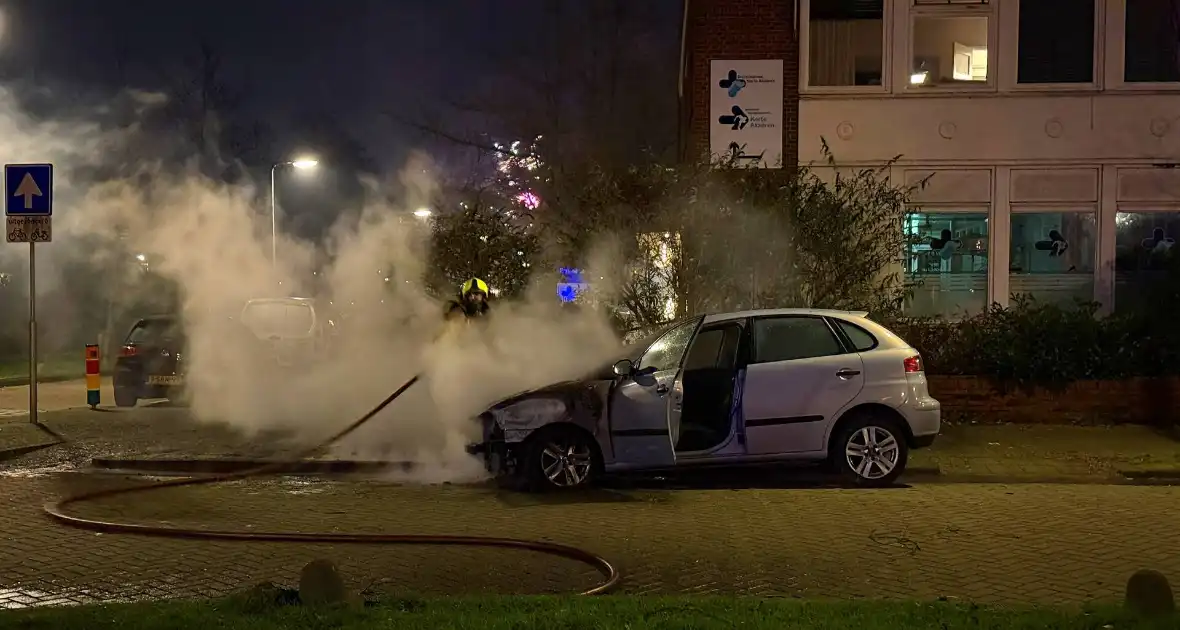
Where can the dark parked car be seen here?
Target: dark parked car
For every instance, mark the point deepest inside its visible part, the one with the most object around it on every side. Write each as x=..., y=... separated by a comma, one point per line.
x=150, y=362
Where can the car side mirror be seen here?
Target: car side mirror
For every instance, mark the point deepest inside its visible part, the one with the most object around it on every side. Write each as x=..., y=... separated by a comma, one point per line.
x=623, y=368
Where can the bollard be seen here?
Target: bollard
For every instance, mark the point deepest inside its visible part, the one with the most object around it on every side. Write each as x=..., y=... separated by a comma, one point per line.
x=93, y=379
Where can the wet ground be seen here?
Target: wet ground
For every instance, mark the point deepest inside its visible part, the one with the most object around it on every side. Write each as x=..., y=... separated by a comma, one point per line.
x=771, y=532
x=983, y=542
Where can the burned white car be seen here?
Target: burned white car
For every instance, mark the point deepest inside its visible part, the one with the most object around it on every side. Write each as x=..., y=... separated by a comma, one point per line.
x=734, y=388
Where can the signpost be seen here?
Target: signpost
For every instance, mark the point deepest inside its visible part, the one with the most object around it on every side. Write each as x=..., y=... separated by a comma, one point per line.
x=28, y=218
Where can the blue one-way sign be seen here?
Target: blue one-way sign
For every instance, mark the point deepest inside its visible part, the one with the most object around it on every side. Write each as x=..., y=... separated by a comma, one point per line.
x=28, y=190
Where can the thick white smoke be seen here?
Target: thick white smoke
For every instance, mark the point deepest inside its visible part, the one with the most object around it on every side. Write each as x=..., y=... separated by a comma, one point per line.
x=214, y=240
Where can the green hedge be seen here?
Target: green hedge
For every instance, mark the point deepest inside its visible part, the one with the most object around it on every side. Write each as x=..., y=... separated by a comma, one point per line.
x=1034, y=344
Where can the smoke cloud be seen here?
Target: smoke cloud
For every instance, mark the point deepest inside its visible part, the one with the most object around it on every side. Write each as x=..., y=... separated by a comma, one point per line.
x=381, y=325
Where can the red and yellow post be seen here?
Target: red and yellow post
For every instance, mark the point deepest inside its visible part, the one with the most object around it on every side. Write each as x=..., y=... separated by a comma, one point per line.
x=93, y=378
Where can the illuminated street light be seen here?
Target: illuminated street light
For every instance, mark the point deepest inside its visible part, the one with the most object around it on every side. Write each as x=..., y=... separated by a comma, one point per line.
x=423, y=212
x=301, y=164
x=141, y=257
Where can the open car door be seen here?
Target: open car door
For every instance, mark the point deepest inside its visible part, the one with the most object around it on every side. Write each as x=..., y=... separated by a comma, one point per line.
x=645, y=406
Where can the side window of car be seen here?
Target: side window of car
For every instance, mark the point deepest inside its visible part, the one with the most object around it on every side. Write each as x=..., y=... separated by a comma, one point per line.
x=704, y=350
x=791, y=338
x=714, y=348
x=667, y=351
x=140, y=333
x=861, y=339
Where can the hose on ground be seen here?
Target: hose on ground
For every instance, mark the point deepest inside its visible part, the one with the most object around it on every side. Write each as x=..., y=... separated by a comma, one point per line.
x=57, y=512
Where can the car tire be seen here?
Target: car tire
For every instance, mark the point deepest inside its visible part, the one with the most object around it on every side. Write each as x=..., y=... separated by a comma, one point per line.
x=869, y=450
x=558, y=458
x=125, y=398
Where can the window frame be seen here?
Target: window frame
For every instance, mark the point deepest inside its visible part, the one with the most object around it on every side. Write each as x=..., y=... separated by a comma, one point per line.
x=1130, y=207
x=1116, y=57
x=753, y=358
x=960, y=208
x=986, y=209
x=805, y=87
x=1057, y=208
x=1010, y=23
x=948, y=11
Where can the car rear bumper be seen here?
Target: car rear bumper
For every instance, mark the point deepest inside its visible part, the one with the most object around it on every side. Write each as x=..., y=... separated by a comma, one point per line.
x=925, y=421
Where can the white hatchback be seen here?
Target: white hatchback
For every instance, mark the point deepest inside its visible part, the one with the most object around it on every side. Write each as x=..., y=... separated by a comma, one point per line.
x=742, y=388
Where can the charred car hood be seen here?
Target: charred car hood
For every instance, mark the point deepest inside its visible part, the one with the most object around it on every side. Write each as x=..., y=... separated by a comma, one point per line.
x=560, y=390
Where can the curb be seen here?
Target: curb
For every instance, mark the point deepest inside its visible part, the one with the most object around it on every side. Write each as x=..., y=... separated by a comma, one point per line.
x=20, y=451
x=21, y=381
x=223, y=466
x=229, y=466
x=1168, y=473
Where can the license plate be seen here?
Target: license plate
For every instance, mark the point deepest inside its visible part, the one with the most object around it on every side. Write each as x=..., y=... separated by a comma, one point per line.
x=164, y=380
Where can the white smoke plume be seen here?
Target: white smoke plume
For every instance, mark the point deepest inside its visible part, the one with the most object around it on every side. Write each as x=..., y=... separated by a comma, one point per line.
x=214, y=241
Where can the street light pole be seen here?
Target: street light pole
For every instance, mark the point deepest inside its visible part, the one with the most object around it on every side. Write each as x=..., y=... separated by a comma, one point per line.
x=302, y=163
x=274, y=232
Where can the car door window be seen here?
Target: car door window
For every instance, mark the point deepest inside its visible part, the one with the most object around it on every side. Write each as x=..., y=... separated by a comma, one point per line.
x=791, y=338
x=714, y=348
x=860, y=338
x=668, y=350
x=705, y=350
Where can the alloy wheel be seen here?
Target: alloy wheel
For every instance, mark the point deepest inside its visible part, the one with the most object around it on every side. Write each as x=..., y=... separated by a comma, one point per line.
x=566, y=463
x=872, y=452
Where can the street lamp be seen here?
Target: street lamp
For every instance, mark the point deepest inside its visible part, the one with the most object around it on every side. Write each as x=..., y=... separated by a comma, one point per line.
x=302, y=164
x=422, y=213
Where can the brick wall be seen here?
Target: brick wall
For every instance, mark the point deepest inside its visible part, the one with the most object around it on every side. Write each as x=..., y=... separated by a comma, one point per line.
x=1132, y=401
x=732, y=29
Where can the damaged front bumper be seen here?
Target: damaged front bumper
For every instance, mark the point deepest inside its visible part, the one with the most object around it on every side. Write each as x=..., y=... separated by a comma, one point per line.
x=498, y=455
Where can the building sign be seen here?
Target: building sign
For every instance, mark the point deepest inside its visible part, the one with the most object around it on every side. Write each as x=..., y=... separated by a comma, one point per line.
x=746, y=111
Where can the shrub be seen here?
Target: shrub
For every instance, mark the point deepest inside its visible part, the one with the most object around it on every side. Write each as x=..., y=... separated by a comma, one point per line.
x=1043, y=344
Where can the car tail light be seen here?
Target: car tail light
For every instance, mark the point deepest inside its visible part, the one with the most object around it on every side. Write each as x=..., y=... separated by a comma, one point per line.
x=128, y=351
x=913, y=364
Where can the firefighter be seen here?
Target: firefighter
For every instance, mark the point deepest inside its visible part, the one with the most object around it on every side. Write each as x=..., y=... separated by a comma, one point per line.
x=472, y=301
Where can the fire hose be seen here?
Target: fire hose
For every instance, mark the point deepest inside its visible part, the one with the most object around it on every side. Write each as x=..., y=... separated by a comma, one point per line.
x=57, y=512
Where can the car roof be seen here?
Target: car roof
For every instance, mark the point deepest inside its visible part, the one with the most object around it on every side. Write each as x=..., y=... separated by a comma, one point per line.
x=770, y=312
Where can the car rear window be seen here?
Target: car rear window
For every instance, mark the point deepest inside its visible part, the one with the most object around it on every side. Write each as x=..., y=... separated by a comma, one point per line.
x=861, y=339
x=278, y=319
x=154, y=331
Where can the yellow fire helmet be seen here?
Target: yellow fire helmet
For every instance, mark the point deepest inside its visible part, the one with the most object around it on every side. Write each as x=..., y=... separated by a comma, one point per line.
x=472, y=285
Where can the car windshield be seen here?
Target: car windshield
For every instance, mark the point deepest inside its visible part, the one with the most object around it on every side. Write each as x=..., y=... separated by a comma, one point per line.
x=279, y=319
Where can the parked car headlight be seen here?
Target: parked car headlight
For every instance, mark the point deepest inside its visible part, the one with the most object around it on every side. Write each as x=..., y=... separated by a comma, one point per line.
x=530, y=413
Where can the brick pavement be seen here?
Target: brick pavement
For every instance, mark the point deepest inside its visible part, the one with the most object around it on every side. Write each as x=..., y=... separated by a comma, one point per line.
x=988, y=543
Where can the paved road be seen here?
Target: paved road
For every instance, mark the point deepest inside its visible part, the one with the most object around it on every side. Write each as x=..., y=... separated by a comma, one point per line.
x=14, y=401
x=989, y=543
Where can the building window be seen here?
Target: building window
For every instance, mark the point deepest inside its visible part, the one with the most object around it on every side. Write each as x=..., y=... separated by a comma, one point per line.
x=1055, y=46
x=1151, y=48
x=1051, y=257
x=1143, y=248
x=947, y=263
x=949, y=50
x=846, y=43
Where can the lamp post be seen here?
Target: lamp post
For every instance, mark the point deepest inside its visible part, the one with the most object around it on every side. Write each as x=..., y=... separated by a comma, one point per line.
x=302, y=164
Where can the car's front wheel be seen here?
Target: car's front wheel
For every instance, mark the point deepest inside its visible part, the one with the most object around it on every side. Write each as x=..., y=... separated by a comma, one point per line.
x=870, y=451
x=559, y=458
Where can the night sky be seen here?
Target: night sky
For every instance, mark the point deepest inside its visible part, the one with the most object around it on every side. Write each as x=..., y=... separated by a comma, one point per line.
x=355, y=58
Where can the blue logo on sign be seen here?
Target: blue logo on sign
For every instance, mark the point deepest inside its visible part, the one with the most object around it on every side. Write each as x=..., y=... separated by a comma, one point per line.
x=733, y=84
x=28, y=189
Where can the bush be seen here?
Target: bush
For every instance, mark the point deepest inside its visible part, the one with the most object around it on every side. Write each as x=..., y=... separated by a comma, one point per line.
x=1032, y=344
